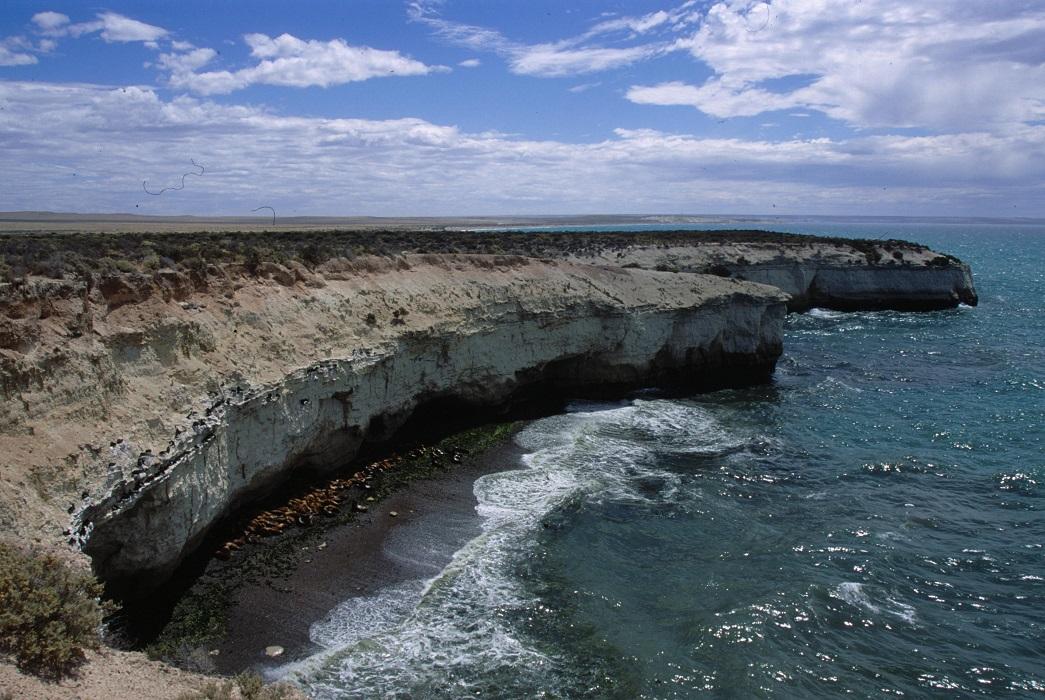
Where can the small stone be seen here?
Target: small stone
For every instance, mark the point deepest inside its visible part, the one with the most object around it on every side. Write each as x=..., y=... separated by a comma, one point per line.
x=393, y=513
x=370, y=499
x=273, y=651
x=214, y=652
x=322, y=545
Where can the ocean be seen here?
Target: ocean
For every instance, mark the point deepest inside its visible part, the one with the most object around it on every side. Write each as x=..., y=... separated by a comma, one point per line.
x=870, y=524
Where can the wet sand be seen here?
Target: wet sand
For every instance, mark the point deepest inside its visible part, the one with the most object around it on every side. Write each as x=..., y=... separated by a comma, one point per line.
x=434, y=518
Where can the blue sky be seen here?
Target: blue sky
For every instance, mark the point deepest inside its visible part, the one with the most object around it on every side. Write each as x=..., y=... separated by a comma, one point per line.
x=453, y=107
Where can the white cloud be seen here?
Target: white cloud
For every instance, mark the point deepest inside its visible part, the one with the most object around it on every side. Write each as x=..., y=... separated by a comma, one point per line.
x=118, y=28
x=111, y=26
x=675, y=19
x=50, y=21
x=877, y=63
x=572, y=56
x=553, y=61
x=289, y=61
x=115, y=138
x=637, y=25
x=16, y=51
x=467, y=35
x=583, y=87
x=191, y=60
x=20, y=51
x=713, y=97
x=943, y=65
x=470, y=63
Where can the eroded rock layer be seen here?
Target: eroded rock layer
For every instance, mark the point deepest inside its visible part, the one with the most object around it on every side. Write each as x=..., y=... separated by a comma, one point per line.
x=833, y=274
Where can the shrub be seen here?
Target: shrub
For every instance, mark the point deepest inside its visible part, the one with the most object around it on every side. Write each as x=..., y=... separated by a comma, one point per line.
x=940, y=261
x=196, y=265
x=250, y=685
x=314, y=255
x=151, y=262
x=49, y=614
x=212, y=691
x=252, y=261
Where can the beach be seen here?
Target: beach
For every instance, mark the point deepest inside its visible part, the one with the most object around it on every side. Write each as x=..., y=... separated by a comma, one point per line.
x=434, y=518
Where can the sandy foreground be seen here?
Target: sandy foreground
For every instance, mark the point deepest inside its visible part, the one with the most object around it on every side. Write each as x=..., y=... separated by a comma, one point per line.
x=107, y=675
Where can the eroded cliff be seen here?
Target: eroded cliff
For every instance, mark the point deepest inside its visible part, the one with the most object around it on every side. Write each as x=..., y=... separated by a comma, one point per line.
x=139, y=410
x=834, y=274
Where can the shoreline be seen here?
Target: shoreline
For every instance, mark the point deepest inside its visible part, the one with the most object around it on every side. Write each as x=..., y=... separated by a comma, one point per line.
x=320, y=567
x=361, y=559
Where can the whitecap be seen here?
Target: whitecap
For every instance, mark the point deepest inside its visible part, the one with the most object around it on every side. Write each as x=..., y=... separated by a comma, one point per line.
x=855, y=594
x=892, y=536
x=817, y=312
x=832, y=381
x=457, y=626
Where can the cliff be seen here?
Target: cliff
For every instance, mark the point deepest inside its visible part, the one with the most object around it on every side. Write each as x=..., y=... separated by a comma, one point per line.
x=841, y=274
x=139, y=410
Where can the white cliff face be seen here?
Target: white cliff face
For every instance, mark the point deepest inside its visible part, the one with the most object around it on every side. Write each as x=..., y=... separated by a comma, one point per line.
x=866, y=287
x=825, y=274
x=478, y=335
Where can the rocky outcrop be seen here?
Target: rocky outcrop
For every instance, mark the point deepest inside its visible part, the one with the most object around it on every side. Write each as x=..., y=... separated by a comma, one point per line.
x=832, y=274
x=867, y=287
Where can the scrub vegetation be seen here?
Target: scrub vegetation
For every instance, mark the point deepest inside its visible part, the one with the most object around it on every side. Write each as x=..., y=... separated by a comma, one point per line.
x=49, y=613
x=63, y=255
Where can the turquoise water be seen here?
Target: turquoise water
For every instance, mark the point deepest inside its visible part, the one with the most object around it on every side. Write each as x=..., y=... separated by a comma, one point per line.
x=871, y=523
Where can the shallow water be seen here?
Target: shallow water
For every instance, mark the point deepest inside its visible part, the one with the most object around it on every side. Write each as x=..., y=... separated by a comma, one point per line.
x=869, y=523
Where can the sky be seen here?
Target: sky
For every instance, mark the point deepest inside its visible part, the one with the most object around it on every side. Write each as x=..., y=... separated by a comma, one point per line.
x=487, y=107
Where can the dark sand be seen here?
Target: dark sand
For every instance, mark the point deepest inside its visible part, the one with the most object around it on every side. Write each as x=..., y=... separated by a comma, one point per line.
x=436, y=517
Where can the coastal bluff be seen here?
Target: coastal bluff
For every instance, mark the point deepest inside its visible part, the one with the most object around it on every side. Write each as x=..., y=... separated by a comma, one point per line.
x=156, y=383
x=832, y=273
x=135, y=420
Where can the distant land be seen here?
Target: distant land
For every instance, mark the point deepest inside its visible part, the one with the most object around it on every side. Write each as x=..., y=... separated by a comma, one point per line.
x=120, y=222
